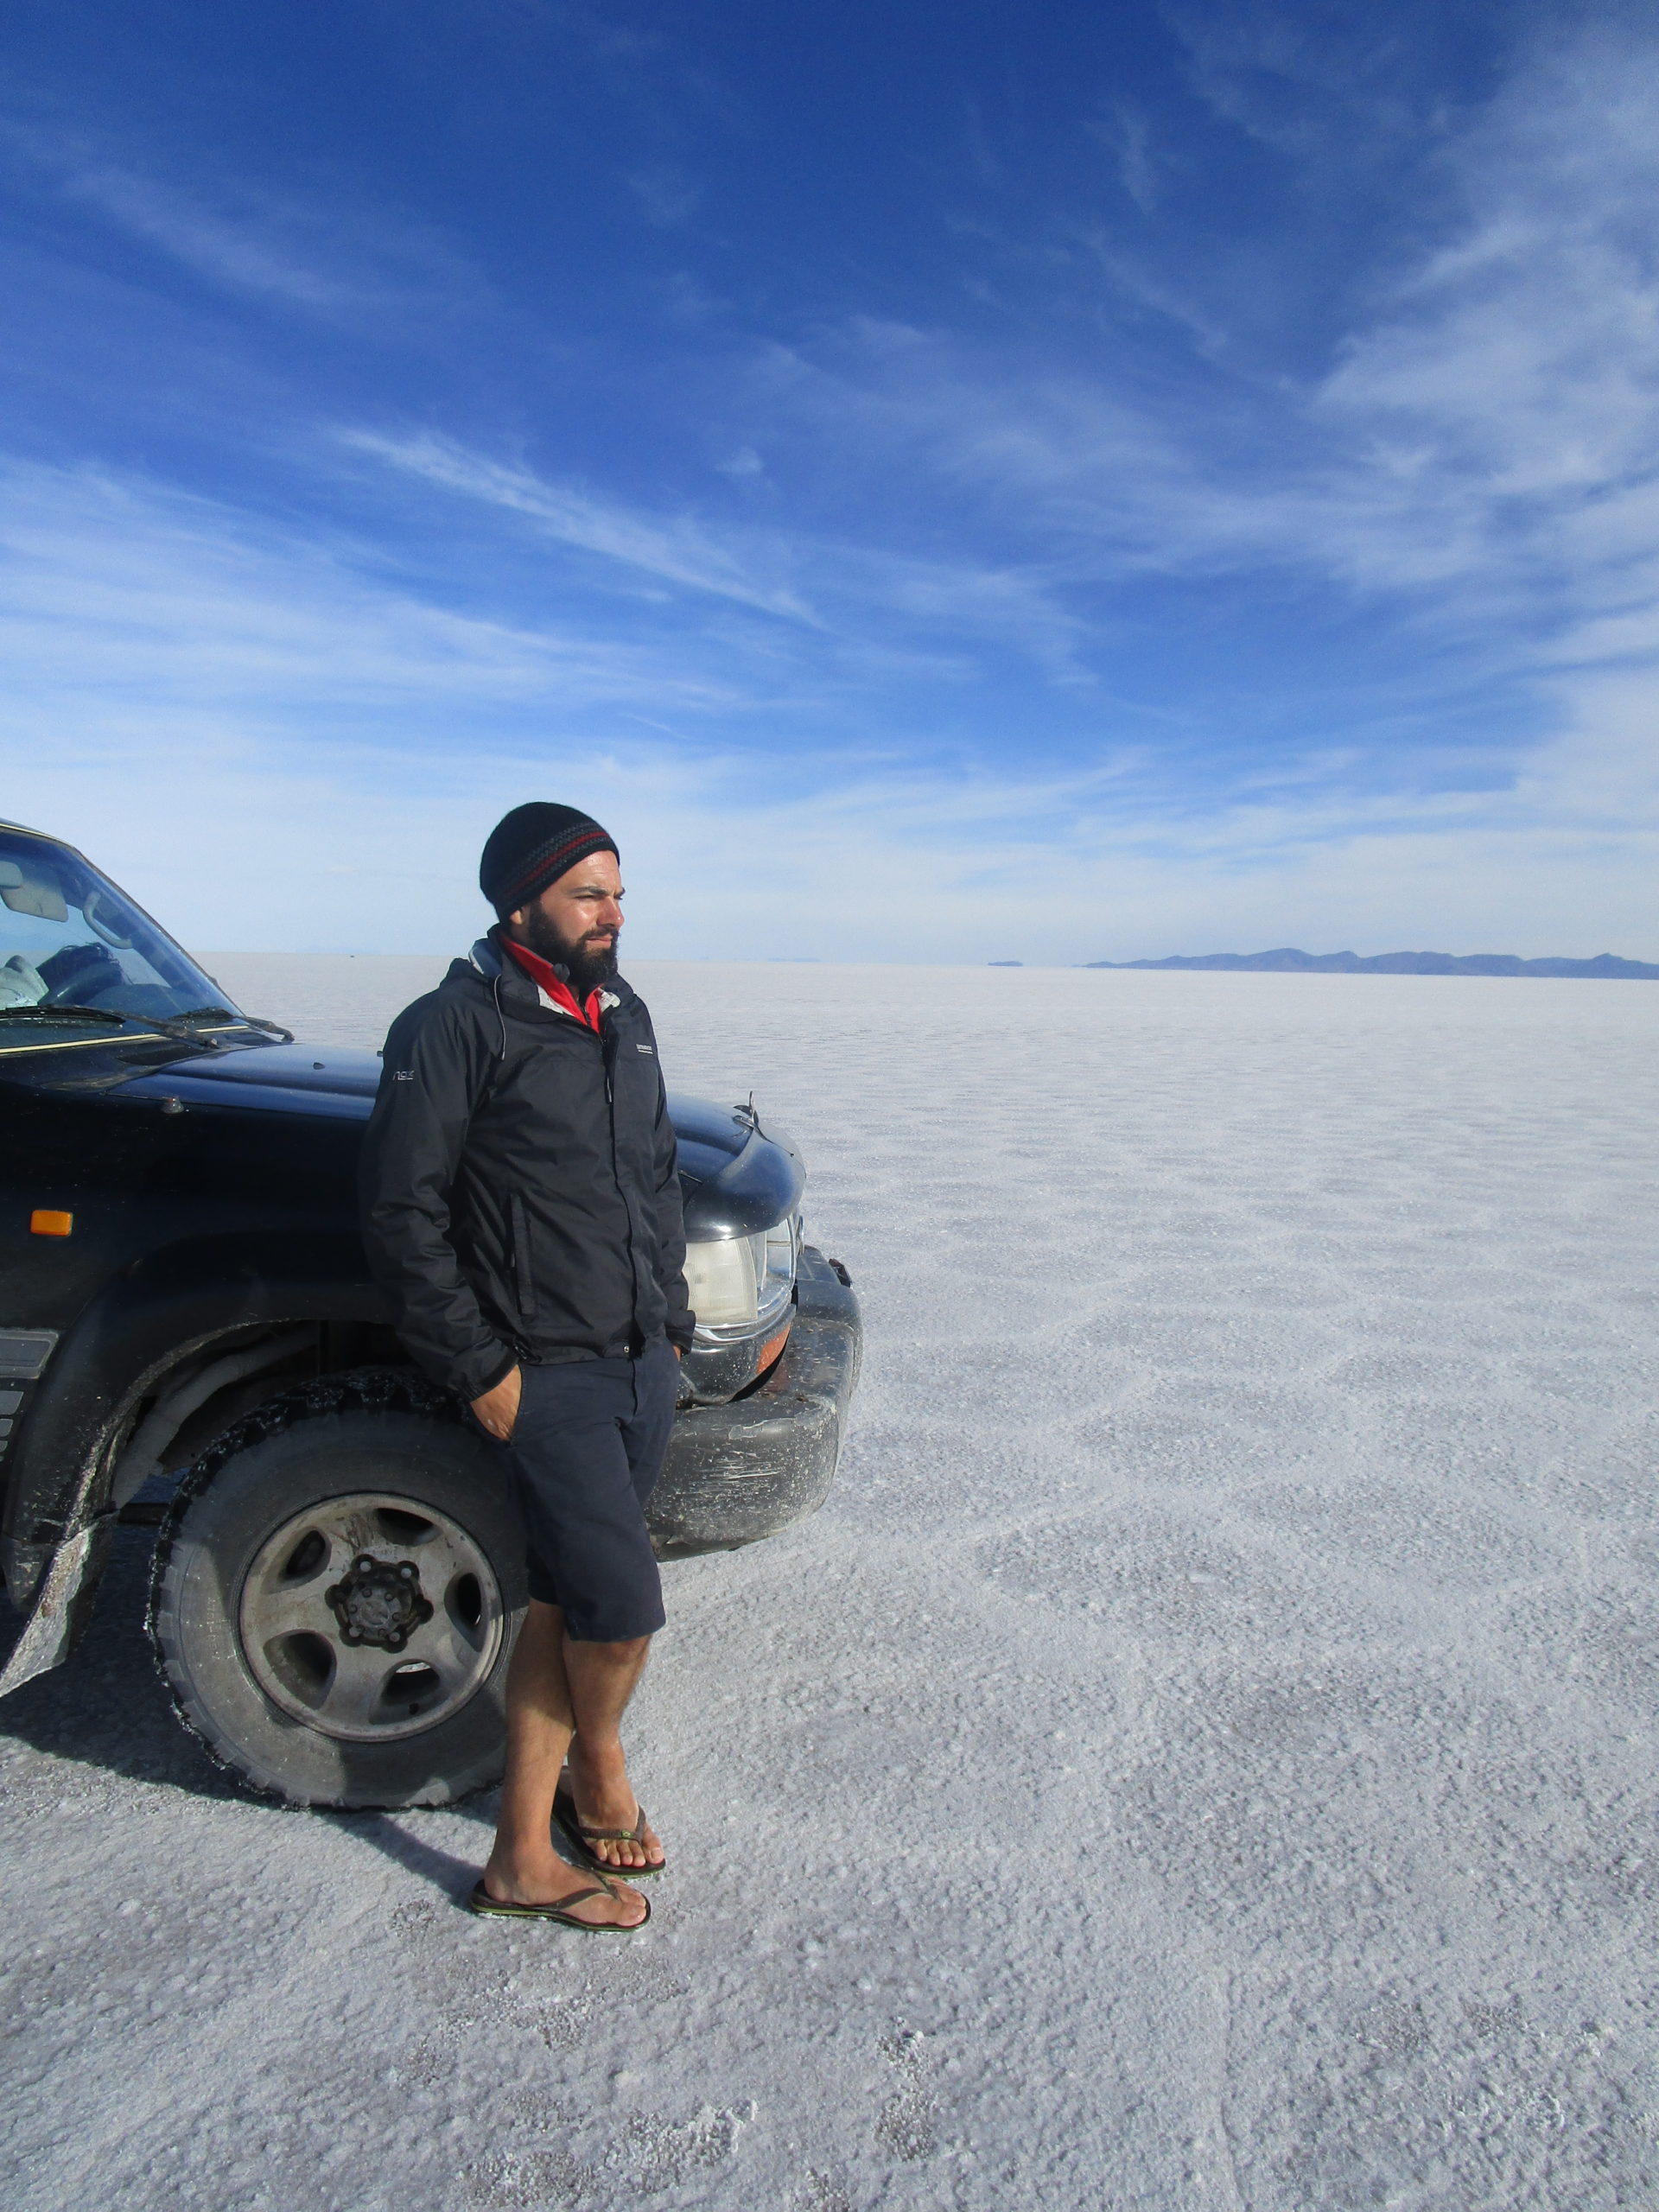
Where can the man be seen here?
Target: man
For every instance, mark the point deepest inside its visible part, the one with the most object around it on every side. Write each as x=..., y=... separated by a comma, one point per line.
x=521, y=1207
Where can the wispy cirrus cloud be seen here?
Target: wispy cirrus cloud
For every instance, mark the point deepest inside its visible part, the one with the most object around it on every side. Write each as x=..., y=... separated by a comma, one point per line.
x=254, y=250
x=276, y=743
x=1487, y=427
x=677, y=550
x=117, y=593
x=1204, y=620
x=1127, y=134
x=869, y=597
x=319, y=252
x=667, y=194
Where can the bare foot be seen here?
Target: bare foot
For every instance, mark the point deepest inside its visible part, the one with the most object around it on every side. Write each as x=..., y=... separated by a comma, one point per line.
x=549, y=1882
x=604, y=1799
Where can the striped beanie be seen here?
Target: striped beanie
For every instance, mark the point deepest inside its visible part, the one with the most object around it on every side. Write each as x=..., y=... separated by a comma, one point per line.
x=531, y=848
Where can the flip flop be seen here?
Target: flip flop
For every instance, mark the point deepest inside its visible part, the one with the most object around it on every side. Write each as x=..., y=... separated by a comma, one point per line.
x=481, y=1901
x=580, y=1839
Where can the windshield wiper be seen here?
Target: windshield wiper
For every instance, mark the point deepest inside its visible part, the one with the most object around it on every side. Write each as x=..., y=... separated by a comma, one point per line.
x=172, y=1027
x=229, y=1013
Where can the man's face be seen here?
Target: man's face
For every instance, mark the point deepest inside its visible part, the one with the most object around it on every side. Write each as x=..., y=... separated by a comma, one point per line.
x=576, y=921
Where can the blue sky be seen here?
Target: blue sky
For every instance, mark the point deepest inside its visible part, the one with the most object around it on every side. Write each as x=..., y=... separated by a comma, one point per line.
x=951, y=482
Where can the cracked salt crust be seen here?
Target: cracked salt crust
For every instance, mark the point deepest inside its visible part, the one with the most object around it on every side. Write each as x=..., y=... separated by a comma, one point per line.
x=1202, y=1756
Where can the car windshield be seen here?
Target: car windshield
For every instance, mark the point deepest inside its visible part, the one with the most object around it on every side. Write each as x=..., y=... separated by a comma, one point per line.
x=69, y=938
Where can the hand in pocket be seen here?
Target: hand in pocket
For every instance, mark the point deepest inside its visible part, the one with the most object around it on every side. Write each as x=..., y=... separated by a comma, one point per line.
x=497, y=1410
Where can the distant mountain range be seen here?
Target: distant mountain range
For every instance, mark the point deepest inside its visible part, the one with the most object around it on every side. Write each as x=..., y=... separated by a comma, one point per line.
x=1605, y=967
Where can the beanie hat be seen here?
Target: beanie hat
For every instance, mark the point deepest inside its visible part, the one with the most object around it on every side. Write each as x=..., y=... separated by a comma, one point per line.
x=531, y=848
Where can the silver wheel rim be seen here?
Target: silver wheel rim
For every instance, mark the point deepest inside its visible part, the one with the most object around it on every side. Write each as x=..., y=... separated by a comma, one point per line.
x=295, y=1644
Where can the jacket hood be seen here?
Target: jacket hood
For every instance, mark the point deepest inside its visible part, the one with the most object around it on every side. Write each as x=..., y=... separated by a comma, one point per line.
x=486, y=956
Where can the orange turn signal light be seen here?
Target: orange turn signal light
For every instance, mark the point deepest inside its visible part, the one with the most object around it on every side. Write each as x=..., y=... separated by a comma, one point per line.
x=772, y=1348
x=43, y=1221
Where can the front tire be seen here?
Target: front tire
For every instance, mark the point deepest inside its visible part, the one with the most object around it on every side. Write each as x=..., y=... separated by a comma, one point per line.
x=336, y=1590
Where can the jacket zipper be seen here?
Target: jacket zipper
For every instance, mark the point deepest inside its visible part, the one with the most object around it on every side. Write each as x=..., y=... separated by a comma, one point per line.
x=524, y=1281
x=606, y=1054
x=609, y=1049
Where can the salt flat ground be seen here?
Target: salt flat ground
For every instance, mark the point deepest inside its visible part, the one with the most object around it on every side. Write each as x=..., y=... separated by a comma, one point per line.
x=1202, y=1756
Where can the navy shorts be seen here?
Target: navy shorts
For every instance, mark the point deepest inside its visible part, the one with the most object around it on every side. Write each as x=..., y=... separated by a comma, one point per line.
x=585, y=1453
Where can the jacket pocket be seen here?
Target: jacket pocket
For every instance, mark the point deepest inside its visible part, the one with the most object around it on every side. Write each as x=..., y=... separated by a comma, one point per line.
x=523, y=1282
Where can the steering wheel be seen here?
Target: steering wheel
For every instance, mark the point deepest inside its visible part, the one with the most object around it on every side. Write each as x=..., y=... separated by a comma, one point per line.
x=79, y=973
x=89, y=908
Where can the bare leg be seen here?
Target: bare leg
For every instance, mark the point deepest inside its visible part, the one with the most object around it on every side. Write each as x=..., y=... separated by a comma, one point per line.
x=523, y=1868
x=601, y=1679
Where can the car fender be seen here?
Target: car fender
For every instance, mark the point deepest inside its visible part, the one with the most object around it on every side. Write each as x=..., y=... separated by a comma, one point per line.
x=160, y=1311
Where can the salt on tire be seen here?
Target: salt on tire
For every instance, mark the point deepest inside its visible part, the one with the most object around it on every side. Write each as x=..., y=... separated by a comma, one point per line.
x=335, y=1593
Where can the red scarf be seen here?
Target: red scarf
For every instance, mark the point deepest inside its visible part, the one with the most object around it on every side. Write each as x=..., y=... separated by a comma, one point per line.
x=553, y=983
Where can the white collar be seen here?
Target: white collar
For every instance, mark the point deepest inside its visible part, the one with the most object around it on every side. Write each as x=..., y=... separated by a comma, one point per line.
x=607, y=1000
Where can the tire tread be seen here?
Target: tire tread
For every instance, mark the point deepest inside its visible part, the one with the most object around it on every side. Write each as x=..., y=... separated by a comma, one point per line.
x=370, y=1390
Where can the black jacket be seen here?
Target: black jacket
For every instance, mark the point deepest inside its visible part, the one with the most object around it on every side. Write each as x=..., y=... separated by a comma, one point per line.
x=520, y=1195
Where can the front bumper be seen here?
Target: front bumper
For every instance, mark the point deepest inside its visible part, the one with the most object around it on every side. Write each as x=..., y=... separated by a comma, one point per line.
x=742, y=1470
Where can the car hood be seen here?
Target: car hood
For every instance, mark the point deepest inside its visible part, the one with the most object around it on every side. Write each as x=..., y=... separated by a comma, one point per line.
x=332, y=1081
x=345, y=1069
x=736, y=1178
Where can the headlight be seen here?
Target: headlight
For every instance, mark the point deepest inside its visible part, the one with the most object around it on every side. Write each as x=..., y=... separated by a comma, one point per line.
x=740, y=1285
x=720, y=1283
x=774, y=1268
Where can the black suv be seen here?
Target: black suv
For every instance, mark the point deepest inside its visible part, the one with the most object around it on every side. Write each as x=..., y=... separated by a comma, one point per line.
x=189, y=1336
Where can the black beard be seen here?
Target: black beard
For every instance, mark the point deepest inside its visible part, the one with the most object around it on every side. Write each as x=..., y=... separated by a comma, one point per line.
x=588, y=968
